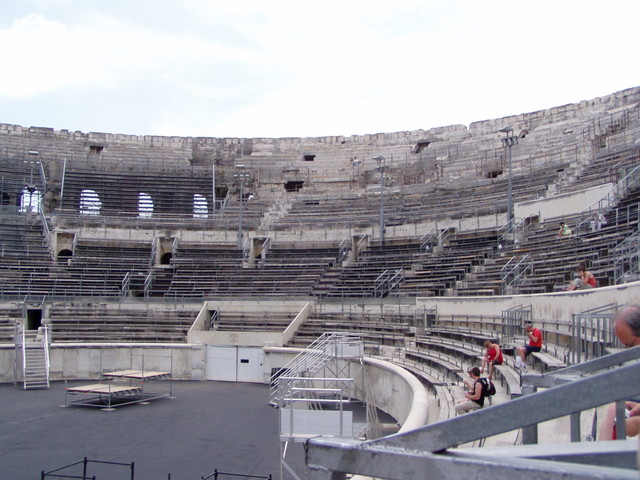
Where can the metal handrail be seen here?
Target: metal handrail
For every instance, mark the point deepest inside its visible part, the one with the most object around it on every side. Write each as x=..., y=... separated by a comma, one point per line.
x=425, y=242
x=423, y=449
x=309, y=361
x=148, y=282
x=514, y=318
x=125, y=285
x=609, y=200
x=387, y=281
x=591, y=333
x=627, y=257
x=344, y=248
x=154, y=251
x=47, y=232
x=510, y=274
x=45, y=346
x=24, y=355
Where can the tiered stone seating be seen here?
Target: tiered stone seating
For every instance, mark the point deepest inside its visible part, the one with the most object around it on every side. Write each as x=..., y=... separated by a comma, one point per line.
x=401, y=208
x=375, y=329
x=24, y=255
x=555, y=258
x=98, y=268
x=101, y=322
x=463, y=336
x=425, y=273
x=201, y=270
x=608, y=166
x=253, y=321
x=22, y=239
x=171, y=191
x=10, y=315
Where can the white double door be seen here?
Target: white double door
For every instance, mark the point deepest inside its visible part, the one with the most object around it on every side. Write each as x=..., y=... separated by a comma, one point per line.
x=235, y=364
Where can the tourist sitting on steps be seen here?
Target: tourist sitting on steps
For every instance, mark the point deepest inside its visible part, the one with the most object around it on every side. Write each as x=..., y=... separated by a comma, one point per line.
x=535, y=345
x=474, y=396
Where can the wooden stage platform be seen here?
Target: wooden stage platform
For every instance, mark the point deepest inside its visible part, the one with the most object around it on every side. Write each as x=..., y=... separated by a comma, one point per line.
x=108, y=395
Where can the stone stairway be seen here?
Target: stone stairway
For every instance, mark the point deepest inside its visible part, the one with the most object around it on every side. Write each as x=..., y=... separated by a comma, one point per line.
x=278, y=209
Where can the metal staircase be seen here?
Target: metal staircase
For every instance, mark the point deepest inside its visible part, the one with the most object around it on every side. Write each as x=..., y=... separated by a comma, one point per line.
x=325, y=349
x=35, y=359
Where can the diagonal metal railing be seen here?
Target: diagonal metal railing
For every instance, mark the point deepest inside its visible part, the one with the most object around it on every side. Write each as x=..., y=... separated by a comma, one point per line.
x=387, y=281
x=630, y=181
x=313, y=358
x=422, y=453
x=626, y=264
x=514, y=271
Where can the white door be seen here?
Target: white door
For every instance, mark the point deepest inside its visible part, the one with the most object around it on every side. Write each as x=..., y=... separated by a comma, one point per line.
x=250, y=362
x=221, y=363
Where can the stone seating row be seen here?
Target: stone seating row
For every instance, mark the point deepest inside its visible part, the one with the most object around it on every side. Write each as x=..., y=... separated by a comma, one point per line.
x=100, y=322
x=253, y=321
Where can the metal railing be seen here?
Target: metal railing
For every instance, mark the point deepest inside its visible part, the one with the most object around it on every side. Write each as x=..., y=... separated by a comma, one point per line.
x=608, y=201
x=434, y=238
x=322, y=350
x=412, y=455
x=148, y=283
x=507, y=232
x=425, y=316
x=125, y=285
x=626, y=263
x=214, y=320
x=387, y=281
x=344, y=248
x=216, y=474
x=154, y=251
x=47, y=233
x=85, y=462
x=515, y=270
x=591, y=333
x=514, y=318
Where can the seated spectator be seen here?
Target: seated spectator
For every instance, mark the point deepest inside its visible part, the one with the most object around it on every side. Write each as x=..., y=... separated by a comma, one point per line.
x=597, y=221
x=535, y=345
x=584, y=279
x=475, y=393
x=564, y=230
x=492, y=356
x=627, y=329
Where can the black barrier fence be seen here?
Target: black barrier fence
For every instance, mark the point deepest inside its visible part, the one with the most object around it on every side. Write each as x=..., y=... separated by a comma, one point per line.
x=216, y=474
x=85, y=462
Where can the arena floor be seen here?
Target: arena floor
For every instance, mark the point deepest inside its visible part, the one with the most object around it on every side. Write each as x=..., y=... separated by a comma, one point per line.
x=207, y=426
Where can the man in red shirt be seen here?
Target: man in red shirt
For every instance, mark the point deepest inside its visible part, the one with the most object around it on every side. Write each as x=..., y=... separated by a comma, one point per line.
x=492, y=356
x=535, y=345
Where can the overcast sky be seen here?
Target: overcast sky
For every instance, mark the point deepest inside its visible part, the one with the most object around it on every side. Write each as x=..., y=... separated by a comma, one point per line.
x=275, y=68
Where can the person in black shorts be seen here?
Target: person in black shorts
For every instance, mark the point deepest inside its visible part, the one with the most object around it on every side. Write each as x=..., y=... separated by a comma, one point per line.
x=535, y=345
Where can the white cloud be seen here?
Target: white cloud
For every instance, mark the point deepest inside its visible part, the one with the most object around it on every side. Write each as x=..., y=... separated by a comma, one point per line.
x=285, y=68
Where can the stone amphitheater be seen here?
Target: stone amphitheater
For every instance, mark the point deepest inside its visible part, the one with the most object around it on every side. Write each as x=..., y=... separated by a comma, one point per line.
x=231, y=257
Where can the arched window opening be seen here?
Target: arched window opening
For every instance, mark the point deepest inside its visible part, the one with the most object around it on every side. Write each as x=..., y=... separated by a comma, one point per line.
x=145, y=205
x=64, y=256
x=30, y=199
x=90, y=203
x=200, y=208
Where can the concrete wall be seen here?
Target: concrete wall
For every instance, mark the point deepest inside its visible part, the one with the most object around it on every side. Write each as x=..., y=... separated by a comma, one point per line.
x=201, y=334
x=545, y=306
x=83, y=361
x=566, y=204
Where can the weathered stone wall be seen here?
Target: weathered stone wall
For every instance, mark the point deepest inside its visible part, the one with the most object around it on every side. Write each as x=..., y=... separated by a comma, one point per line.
x=451, y=151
